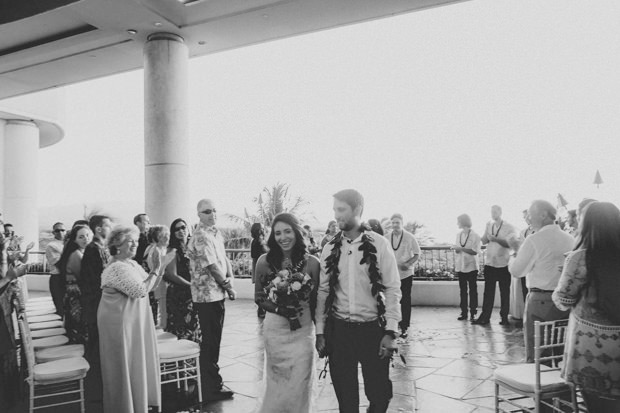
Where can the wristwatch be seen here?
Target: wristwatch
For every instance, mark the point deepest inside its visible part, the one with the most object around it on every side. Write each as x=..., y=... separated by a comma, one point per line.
x=390, y=333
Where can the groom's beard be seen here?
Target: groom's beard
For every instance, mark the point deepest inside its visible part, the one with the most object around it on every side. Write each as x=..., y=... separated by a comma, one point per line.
x=348, y=226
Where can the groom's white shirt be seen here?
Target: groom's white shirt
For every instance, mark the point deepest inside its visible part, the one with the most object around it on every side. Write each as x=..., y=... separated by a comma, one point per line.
x=354, y=300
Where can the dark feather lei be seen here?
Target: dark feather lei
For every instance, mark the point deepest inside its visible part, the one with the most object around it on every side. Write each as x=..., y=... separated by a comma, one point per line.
x=369, y=258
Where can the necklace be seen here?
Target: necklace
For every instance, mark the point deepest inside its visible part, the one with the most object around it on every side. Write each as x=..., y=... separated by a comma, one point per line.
x=399, y=242
x=369, y=257
x=466, y=239
x=500, y=227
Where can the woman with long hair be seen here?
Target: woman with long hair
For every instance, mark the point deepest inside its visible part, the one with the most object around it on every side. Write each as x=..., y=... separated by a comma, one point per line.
x=288, y=329
x=590, y=286
x=182, y=316
x=69, y=266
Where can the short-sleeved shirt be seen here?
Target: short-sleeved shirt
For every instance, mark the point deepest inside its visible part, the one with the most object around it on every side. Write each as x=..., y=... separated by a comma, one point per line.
x=497, y=255
x=404, y=249
x=206, y=247
x=464, y=262
x=53, y=252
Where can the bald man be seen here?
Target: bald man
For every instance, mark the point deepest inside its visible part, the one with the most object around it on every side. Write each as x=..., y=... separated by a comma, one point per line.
x=212, y=281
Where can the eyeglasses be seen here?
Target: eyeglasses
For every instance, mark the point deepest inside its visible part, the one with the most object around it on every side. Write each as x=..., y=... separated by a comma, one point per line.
x=60, y=230
x=181, y=228
x=208, y=211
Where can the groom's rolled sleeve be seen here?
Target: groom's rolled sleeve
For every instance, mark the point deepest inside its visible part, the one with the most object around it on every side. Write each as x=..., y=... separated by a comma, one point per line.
x=322, y=292
x=391, y=280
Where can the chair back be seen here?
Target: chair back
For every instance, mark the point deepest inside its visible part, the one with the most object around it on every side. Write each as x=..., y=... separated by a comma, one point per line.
x=549, y=338
x=24, y=332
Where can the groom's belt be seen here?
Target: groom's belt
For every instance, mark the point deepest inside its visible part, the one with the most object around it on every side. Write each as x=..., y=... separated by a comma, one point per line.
x=353, y=324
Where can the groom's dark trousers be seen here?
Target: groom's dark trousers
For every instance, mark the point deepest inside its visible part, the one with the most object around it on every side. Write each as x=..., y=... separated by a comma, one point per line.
x=355, y=343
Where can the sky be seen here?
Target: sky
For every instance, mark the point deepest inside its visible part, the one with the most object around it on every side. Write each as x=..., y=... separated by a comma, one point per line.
x=431, y=114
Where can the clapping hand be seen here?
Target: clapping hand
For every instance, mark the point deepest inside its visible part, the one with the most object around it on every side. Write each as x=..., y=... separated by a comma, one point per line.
x=29, y=246
x=15, y=272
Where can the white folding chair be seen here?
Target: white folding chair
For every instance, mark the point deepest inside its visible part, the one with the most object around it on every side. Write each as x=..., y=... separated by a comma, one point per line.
x=540, y=380
x=57, y=353
x=164, y=336
x=179, y=361
x=53, y=382
x=45, y=325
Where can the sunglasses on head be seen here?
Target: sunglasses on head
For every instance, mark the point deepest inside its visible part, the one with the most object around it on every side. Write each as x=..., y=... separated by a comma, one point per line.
x=181, y=228
x=208, y=211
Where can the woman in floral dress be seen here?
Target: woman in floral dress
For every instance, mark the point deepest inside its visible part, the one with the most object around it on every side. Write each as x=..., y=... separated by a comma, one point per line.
x=590, y=286
x=182, y=317
x=288, y=331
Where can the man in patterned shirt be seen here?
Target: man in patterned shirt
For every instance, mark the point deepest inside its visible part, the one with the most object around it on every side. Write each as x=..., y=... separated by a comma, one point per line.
x=211, y=281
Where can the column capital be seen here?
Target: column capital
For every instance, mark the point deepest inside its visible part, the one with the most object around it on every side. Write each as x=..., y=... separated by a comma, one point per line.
x=165, y=36
x=21, y=122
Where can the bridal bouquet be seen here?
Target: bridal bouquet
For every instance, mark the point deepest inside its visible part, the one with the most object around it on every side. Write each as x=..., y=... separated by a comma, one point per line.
x=288, y=288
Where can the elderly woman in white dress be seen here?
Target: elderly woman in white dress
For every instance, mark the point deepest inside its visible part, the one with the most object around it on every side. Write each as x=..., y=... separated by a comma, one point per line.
x=128, y=344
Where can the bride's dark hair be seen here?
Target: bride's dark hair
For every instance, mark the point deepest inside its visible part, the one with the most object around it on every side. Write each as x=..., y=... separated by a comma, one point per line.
x=275, y=255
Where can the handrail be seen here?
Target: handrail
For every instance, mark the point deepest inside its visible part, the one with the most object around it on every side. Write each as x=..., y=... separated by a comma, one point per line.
x=435, y=262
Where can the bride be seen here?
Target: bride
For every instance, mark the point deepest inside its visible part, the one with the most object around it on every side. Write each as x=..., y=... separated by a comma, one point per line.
x=286, y=279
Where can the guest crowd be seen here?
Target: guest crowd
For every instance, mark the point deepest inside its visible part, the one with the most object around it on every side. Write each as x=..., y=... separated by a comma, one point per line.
x=347, y=296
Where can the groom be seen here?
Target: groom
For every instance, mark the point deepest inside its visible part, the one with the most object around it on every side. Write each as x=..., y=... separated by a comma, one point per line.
x=355, y=266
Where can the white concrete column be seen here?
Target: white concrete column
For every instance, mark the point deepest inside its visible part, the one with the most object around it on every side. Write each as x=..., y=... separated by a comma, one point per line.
x=2, y=125
x=166, y=143
x=21, y=170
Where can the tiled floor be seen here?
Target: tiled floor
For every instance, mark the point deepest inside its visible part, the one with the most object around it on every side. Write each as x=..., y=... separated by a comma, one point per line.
x=449, y=364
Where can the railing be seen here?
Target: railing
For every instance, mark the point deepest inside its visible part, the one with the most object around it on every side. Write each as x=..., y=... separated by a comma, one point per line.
x=434, y=263
x=37, y=263
x=439, y=262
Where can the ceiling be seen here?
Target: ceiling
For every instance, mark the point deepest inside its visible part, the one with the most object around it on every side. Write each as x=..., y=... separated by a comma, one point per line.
x=45, y=44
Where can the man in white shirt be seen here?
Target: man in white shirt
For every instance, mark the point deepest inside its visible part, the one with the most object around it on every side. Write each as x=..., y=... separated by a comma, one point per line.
x=496, y=237
x=540, y=260
x=361, y=323
x=407, y=252
x=52, y=254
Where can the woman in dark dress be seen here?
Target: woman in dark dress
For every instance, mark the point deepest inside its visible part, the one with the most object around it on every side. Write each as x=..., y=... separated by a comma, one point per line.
x=182, y=317
x=70, y=265
x=258, y=248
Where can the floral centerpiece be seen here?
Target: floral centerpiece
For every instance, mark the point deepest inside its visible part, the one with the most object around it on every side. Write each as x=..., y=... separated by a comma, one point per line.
x=288, y=288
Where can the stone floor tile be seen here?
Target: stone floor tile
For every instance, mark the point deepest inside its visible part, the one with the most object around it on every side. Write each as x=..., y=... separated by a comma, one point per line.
x=435, y=362
x=466, y=368
x=430, y=402
x=454, y=387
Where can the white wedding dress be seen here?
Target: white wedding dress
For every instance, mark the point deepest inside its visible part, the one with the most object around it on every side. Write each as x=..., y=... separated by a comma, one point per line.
x=289, y=376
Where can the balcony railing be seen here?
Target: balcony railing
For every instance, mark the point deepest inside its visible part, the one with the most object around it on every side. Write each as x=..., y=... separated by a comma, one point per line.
x=434, y=263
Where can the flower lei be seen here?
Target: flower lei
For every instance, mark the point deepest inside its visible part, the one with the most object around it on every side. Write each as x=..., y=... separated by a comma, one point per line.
x=369, y=257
